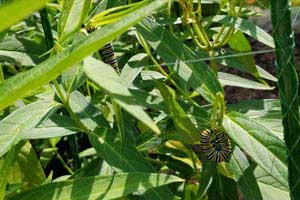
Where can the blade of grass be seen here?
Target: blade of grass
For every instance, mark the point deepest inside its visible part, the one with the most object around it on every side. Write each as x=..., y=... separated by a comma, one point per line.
x=288, y=89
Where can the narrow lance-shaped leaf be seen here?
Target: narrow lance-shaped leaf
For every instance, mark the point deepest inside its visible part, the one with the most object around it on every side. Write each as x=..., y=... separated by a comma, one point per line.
x=237, y=81
x=196, y=74
x=108, y=80
x=17, y=10
x=24, y=83
x=288, y=88
x=244, y=175
x=28, y=166
x=246, y=27
x=108, y=146
x=98, y=187
x=266, y=150
x=73, y=14
x=14, y=127
x=269, y=188
x=20, y=51
x=55, y=126
x=4, y=171
x=181, y=121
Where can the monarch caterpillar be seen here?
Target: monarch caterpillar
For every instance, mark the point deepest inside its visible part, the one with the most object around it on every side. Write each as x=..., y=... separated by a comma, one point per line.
x=109, y=57
x=215, y=145
x=107, y=52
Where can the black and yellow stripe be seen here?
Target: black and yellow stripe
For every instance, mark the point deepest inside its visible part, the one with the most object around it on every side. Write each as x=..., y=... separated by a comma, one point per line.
x=109, y=56
x=215, y=145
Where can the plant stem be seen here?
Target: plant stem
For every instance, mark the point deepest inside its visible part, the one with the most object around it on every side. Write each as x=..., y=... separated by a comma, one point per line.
x=64, y=164
x=47, y=28
x=212, y=62
x=65, y=100
x=288, y=89
x=1, y=74
x=147, y=49
x=170, y=2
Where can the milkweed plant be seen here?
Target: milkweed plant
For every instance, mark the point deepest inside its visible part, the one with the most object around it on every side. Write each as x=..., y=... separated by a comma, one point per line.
x=131, y=99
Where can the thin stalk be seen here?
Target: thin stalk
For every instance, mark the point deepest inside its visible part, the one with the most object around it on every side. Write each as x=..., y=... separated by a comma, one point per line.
x=212, y=62
x=1, y=74
x=65, y=100
x=201, y=33
x=64, y=164
x=197, y=42
x=159, y=68
x=47, y=28
x=288, y=89
x=220, y=34
x=169, y=12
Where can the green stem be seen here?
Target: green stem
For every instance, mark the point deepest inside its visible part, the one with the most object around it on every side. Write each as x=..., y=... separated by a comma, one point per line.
x=47, y=28
x=170, y=2
x=146, y=48
x=197, y=42
x=288, y=89
x=1, y=74
x=212, y=62
x=64, y=164
x=65, y=100
x=200, y=32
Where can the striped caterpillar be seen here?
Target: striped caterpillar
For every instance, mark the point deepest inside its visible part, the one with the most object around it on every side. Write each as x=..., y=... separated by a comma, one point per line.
x=215, y=145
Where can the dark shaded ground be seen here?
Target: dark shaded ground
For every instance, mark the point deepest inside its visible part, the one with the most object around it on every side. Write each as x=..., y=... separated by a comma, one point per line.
x=267, y=62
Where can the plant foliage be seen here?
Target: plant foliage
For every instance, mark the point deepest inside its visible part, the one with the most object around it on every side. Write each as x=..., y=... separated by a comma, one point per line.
x=72, y=126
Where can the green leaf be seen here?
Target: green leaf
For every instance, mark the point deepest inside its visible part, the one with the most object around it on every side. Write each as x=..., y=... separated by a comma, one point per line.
x=98, y=187
x=20, y=51
x=18, y=10
x=269, y=188
x=93, y=168
x=73, y=14
x=29, y=167
x=18, y=124
x=132, y=69
x=24, y=83
x=178, y=115
x=222, y=188
x=227, y=79
x=246, y=27
x=74, y=77
x=206, y=179
x=55, y=126
x=197, y=74
x=4, y=171
x=108, y=80
x=266, y=150
x=240, y=43
x=264, y=111
x=244, y=175
x=104, y=140
x=229, y=59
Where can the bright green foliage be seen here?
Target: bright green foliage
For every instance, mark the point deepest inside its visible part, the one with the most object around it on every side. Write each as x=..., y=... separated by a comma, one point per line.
x=26, y=82
x=108, y=80
x=98, y=187
x=20, y=10
x=73, y=128
x=17, y=125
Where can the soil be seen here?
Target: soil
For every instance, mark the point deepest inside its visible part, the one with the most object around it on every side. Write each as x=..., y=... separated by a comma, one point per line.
x=267, y=62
